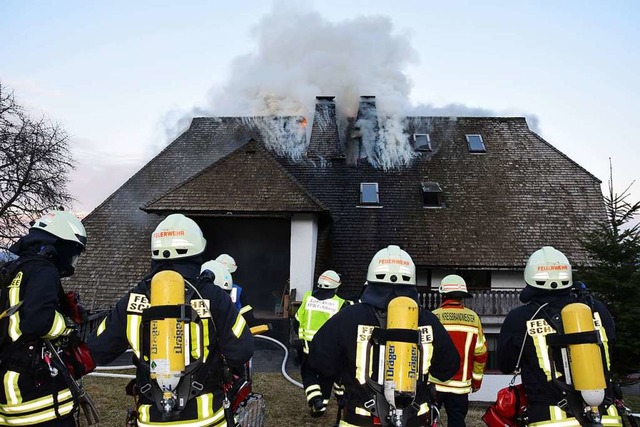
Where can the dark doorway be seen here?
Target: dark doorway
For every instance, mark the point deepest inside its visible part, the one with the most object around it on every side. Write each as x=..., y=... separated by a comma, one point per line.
x=261, y=249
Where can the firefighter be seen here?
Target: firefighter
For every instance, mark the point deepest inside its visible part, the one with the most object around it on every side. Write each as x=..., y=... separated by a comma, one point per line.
x=177, y=245
x=37, y=390
x=345, y=347
x=316, y=308
x=236, y=292
x=534, y=331
x=465, y=329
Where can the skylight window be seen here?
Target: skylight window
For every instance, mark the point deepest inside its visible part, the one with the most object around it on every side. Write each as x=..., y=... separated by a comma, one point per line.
x=432, y=195
x=369, y=193
x=476, y=144
x=421, y=142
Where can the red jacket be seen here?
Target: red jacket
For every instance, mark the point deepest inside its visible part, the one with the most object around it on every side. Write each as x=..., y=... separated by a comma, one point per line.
x=465, y=330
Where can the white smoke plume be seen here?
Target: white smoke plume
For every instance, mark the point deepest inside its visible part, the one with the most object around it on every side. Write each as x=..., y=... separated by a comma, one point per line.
x=300, y=55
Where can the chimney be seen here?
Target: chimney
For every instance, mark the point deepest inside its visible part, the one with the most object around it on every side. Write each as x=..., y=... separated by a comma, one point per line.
x=363, y=132
x=325, y=142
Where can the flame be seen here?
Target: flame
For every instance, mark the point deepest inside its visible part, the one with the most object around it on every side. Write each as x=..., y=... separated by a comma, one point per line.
x=303, y=122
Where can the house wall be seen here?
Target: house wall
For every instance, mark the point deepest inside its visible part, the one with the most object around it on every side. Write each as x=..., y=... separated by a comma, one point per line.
x=507, y=279
x=304, y=241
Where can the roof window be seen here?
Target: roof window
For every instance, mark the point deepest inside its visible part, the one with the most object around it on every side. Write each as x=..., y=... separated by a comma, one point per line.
x=432, y=195
x=421, y=142
x=476, y=144
x=369, y=193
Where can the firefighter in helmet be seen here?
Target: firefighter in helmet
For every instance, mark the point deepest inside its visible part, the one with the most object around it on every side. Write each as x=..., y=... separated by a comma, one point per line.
x=219, y=332
x=36, y=315
x=465, y=329
x=235, y=291
x=539, y=338
x=316, y=308
x=345, y=347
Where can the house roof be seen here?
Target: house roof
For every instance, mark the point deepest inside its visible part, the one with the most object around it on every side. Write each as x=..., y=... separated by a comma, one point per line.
x=248, y=180
x=118, y=246
x=500, y=206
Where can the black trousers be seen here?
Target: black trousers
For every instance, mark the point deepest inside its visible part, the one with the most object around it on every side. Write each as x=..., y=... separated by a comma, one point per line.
x=456, y=406
x=311, y=377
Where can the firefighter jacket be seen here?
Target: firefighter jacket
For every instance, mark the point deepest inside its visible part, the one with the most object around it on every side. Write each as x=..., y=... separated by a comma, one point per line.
x=224, y=333
x=542, y=394
x=30, y=393
x=315, y=309
x=465, y=329
x=342, y=349
x=239, y=298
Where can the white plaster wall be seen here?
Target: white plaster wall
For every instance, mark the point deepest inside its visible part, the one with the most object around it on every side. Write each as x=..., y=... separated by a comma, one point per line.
x=491, y=383
x=304, y=240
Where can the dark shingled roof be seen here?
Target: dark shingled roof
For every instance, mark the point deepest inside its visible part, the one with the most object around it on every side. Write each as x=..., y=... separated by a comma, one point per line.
x=248, y=180
x=500, y=206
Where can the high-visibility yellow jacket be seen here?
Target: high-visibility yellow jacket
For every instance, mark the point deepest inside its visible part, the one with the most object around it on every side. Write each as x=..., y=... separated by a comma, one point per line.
x=465, y=329
x=313, y=313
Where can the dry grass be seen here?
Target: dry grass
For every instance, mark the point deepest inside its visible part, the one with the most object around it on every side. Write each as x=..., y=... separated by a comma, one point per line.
x=286, y=404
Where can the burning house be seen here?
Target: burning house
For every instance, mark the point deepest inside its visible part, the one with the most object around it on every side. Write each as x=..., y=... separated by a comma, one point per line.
x=469, y=195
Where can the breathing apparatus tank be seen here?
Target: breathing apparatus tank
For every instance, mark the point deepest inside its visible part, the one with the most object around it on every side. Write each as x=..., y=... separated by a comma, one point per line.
x=401, y=357
x=168, y=337
x=585, y=360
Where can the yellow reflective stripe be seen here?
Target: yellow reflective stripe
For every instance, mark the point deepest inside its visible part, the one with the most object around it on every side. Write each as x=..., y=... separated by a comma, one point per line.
x=101, y=327
x=200, y=422
x=246, y=308
x=361, y=361
x=346, y=424
x=143, y=413
x=14, y=299
x=57, y=327
x=467, y=347
x=11, y=389
x=195, y=339
x=540, y=343
x=424, y=408
x=477, y=377
x=36, y=404
x=597, y=322
x=205, y=405
x=238, y=327
x=461, y=328
x=609, y=420
x=447, y=388
x=362, y=411
x=133, y=332
x=454, y=383
x=48, y=415
x=427, y=352
x=205, y=339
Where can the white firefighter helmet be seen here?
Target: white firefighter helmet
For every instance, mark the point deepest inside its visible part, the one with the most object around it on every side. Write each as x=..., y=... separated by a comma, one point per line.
x=392, y=266
x=63, y=225
x=177, y=237
x=228, y=261
x=453, y=283
x=329, y=280
x=548, y=268
x=222, y=277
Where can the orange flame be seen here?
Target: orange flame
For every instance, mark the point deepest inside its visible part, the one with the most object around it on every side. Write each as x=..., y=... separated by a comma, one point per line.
x=303, y=122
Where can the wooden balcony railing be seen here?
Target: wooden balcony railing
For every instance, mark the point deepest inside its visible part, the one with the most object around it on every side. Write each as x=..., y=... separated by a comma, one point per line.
x=495, y=302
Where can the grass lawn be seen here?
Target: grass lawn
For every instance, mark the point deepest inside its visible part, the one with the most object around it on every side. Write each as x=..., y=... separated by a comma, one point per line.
x=286, y=405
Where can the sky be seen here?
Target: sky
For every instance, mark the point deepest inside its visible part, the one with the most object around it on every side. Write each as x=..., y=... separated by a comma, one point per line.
x=124, y=77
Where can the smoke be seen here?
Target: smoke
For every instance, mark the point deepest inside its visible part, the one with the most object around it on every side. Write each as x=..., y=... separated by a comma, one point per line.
x=299, y=55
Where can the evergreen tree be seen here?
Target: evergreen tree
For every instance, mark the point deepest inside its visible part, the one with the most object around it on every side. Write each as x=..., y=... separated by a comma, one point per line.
x=615, y=275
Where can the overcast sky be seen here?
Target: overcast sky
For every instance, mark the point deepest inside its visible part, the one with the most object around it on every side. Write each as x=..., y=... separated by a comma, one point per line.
x=120, y=75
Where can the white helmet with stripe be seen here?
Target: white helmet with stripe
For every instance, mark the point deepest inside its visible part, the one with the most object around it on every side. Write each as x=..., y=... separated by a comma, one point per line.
x=177, y=237
x=392, y=266
x=453, y=283
x=228, y=261
x=63, y=225
x=548, y=268
x=329, y=280
x=222, y=277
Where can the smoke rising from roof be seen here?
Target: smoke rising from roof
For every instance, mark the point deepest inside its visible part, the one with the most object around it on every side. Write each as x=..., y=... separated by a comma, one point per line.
x=300, y=55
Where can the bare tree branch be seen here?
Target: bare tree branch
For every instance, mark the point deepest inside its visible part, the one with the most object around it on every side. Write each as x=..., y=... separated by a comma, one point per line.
x=35, y=162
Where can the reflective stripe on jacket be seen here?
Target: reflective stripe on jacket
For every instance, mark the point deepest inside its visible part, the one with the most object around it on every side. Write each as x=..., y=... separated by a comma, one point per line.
x=465, y=329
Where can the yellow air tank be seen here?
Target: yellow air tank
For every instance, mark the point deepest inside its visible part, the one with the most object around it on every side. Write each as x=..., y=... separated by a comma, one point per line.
x=585, y=360
x=167, y=348
x=401, y=358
